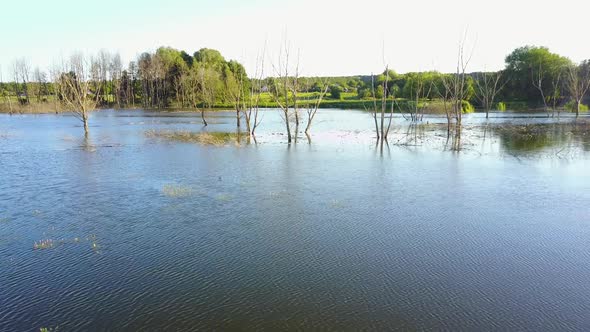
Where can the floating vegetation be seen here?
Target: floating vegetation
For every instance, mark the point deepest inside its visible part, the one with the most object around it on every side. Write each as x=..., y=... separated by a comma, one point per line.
x=51, y=244
x=336, y=203
x=172, y=190
x=4, y=219
x=277, y=194
x=223, y=197
x=48, y=329
x=529, y=138
x=95, y=247
x=44, y=244
x=205, y=138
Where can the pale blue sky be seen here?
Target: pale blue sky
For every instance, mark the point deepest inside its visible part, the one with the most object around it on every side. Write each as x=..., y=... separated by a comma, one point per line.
x=333, y=37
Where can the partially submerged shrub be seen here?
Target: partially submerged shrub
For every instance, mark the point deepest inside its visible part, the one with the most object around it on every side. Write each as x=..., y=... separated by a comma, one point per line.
x=466, y=107
x=43, y=244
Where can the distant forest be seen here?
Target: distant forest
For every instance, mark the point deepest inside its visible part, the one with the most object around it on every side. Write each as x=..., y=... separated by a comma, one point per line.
x=533, y=77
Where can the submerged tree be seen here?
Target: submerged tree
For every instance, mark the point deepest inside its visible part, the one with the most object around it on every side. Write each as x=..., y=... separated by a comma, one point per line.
x=548, y=82
x=487, y=87
x=281, y=86
x=456, y=87
x=236, y=86
x=380, y=129
x=312, y=108
x=209, y=86
x=253, y=104
x=578, y=83
x=74, y=85
x=417, y=88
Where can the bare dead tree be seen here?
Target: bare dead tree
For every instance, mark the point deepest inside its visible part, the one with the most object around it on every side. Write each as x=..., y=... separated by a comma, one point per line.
x=41, y=90
x=384, y=105
x=381, y=129
x=390, y=113
x=446, y=98
x=74, y=84
x=487, y=87
x=251, y=111
x=234, y=87
x=374, y=108
x=116, y=72
x=281, y=87
x=22, y=70
x=418, y=89
x=578, y=83
x=549, y=94
x=456, y=84
x=101, y=72
x=294, y=88
x=132, y=69
x=312, y=109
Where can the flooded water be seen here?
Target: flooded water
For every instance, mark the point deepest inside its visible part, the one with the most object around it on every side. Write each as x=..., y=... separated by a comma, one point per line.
x=489, y=230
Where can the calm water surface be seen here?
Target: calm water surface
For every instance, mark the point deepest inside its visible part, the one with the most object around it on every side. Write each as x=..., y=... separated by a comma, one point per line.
x=487, y=232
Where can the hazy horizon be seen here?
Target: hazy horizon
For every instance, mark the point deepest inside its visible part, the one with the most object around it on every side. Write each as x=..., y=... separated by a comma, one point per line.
x=333, y=38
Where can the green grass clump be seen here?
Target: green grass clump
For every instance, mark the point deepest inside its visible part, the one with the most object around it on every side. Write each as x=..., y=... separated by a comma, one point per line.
x=205, y=138
x=501, y=106
x=172, y=190
x=467, y=107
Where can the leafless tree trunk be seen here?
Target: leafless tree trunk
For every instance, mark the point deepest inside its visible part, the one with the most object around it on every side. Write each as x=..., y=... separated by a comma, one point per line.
x=251, y=111
x=282, y=86
x=313, y=108
x=116, y=70
x=456, y=84
x=488, y=85
x=74, y=84
x=419, y=90
x=374, y=110
x=578, y=83
x=384, y=104
x=380, y=129
x=22, y=70
x=551, y=97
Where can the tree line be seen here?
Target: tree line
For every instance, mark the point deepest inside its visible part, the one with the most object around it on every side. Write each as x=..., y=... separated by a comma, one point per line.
x=533, y=76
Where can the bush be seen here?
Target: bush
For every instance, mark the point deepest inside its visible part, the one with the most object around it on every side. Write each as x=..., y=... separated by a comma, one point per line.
x=336, y=92
x=501, y=106
x=364, y=93
x=571, y=106
x=467, y=107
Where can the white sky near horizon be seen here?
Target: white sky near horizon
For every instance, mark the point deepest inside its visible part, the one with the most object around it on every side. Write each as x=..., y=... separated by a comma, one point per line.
x=333, y=38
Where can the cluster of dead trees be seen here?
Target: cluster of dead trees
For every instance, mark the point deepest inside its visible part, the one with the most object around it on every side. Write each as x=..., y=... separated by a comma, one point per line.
x=203, y=80
x=285, y=87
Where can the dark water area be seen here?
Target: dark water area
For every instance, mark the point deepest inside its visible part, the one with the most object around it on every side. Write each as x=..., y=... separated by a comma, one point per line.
x=489, y=230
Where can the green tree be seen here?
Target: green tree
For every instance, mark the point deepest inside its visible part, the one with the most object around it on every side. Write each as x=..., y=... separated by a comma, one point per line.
x=209, y=56
x=335, y=91
x=528, y=64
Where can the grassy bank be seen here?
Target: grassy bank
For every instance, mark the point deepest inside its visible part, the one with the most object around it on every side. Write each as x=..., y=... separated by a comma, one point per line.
x=348, y=100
